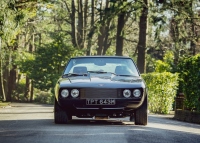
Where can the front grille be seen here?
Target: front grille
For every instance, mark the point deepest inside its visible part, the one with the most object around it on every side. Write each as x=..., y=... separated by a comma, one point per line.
x=98, y=93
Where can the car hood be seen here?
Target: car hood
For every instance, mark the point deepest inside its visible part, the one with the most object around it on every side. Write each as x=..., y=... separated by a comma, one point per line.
x=102, y=81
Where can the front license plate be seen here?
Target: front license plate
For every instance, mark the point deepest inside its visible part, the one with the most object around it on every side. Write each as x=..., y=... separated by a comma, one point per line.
x=100, y=101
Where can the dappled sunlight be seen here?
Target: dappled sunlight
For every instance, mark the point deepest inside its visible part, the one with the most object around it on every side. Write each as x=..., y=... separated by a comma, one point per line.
x=93, y=134
x=95, y=130
x=27, y=123
x=174, y=128
x=25, y=111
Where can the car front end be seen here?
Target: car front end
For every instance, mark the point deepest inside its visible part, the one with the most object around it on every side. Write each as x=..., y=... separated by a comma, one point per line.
x=101, y=93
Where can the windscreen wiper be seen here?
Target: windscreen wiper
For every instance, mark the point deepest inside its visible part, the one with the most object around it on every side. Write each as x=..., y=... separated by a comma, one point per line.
x=74, y=74
x=98, y=72
x=125, y=75
x=102, y=72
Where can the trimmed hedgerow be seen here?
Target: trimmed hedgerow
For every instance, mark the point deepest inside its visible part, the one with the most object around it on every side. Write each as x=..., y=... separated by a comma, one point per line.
x=162, y=89
x=189, y=69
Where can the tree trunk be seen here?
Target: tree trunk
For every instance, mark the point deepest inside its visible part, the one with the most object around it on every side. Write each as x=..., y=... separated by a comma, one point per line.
x=193, y=45
x=193, y=48
x=92, y=28
x=100, y=41
x=27, y=89
x=101, y=32
x=12, y=72
x=40, y=40
x=31, y=82
x=73, y=25
x=12, y=82
x=80, y=24
x=28, y=94
x=31, y=91
x=107, y=43
x=5, y=83
x=85, y=18
x=2, y=91
x=9, y=76
x=141, y=63
x=119, y=38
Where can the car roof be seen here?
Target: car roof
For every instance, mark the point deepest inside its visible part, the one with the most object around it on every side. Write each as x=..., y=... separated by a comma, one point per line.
x=102, y=56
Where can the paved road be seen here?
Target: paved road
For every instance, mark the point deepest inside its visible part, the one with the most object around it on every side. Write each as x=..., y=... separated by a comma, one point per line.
x=32, y=123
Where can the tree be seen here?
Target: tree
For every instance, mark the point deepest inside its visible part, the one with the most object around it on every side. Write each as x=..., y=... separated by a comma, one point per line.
x=120, y=27
x=176, y=25
x=141, y=47
x=105, y=27
x=47, y=64
x=9, y=26
x=14, y=15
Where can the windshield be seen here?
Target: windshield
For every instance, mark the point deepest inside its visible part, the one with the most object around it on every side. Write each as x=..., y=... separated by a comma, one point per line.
x=101, y=65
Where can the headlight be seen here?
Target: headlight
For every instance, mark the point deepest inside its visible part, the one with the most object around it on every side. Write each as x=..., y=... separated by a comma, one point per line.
x=127, y=93
x=64, y=93
x=136, y=93
x=74, y=93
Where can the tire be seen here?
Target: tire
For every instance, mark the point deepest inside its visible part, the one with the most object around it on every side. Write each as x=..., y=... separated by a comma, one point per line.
x=132, y=118
x=60, y=116
x=141, y=117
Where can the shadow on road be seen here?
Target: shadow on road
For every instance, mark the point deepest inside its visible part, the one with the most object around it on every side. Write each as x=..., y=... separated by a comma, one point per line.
x=45, y=131
x=74, y=122
x=167, y=120
x=98, y=122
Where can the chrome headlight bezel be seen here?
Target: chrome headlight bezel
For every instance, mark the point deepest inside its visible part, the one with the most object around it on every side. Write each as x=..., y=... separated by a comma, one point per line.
x=136, y=93
x=74, y=93
x=127, y=93
x=64, y=93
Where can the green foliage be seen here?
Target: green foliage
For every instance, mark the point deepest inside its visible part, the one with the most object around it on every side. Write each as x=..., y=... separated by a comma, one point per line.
x=161, y=91
x=165, y=65
x=12, y=20
x=47, y=64
x=189, y=69
x=43, y=97
x=18, y=95
x=176, y=19
x=8, y=26
x=111, y=51
x=25, y=62
x=162, y=66
x=150, y=63
x=21, y=86
x=169, y=57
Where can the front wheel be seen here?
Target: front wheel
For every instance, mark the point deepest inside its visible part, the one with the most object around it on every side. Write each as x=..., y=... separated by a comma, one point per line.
x=60, y=116
x=132, y=118
x=141, y=117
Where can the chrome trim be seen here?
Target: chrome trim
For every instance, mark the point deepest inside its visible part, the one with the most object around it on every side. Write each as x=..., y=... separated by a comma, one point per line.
x=121, y=108
x=87, y=108
x=113, y=108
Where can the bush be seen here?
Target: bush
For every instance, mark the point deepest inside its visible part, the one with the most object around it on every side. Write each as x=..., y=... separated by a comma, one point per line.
x=189, y=69
x=43, y=97
x=165, y=65
x=18, y=94
x=162, y=66
x=161, y=91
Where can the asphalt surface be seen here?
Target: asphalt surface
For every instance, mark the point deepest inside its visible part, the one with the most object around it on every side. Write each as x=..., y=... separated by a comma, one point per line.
x=33, y=123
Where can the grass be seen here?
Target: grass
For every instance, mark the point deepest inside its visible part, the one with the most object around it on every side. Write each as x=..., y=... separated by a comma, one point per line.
x=3, y=104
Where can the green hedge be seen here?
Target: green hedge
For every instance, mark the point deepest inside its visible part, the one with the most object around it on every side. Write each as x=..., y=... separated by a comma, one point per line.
x=162, y=89
x=189, y=69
